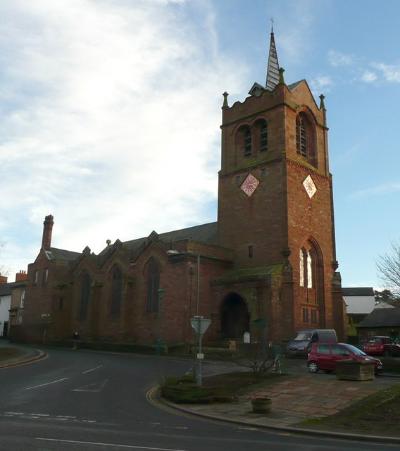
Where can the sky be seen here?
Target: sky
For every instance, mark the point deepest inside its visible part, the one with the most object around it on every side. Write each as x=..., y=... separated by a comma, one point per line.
x=110, y=113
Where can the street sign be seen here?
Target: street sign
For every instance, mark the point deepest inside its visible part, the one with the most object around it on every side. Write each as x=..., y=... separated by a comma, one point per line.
x=200, y=324
x=200, y=356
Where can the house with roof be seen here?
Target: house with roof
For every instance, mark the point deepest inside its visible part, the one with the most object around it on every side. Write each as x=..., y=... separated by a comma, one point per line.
x=5, y=301
x=383, y=320
x=18, y=290
x=269, y=259
x=359, y=301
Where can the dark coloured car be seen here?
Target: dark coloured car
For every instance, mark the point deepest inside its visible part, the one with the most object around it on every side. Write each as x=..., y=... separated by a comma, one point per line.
x=301, y=345
x=381, y=345
x=324, y=356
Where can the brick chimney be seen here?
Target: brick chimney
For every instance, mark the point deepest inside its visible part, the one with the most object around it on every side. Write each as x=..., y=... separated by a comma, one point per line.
x=3, y=279
x=21, y=276
x=47, y=229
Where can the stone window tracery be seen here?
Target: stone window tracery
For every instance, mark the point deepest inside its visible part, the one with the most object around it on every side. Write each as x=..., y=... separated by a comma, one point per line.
x=116, y=291
x=244, y=140
x=305, y=138
x=153, y=285
x=85, y=288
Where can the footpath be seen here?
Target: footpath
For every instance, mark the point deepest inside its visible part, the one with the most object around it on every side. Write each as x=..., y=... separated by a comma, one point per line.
x=295, y=399
x=26, y=354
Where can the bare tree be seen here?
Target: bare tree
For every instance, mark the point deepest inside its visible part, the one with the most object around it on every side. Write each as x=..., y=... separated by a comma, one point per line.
x=389, y=268
x=3, y=270
x=254, y=357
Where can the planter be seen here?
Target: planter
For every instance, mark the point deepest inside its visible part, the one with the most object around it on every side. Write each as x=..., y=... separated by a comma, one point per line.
x=261, y=404
x=350, y=370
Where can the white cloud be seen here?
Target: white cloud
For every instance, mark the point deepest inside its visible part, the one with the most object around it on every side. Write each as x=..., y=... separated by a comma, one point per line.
x=109, y=119
x=382, y=189
x=368, y=76
x=390, y=72
x=339, y=59
x=295, y=27
x=320, y=84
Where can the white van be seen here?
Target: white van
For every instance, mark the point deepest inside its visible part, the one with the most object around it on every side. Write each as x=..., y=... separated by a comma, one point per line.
x=301, y=345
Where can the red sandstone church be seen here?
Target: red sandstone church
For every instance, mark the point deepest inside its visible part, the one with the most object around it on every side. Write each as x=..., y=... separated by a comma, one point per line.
x=269, y=259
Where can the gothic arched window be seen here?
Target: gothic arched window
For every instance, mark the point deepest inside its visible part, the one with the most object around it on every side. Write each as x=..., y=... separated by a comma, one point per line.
x=306, y=268
x=301, y=267
x=153, y=285
x=85, y=287
x=262, y=135
x=305, y=142
x=309, y=270
x=116, y=291
x=243, y=140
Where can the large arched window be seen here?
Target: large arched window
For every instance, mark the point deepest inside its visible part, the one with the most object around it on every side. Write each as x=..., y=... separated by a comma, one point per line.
x=243, y=140
x=116, y=291
x=311, y=281
x=85, y=287
x=305, y=139
x=262, y=135
x=301, y=267
x=307, y=266
x=153, y=285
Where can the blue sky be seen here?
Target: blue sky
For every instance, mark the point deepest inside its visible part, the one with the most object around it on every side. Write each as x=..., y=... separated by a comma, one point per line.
x=105, y=104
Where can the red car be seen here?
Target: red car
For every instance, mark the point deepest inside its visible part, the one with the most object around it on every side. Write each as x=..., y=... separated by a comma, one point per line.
x=381, y=345
x=323, y=356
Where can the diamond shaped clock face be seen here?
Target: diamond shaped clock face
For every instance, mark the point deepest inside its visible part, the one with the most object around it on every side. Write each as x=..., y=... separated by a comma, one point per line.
x=250, y=184
x=309, y=186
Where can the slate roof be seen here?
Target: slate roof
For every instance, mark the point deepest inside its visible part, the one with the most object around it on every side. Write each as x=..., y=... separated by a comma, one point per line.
x=382, y=317
x=61, y=254
x=358, y=291
x=204, y=233
x=5, y=289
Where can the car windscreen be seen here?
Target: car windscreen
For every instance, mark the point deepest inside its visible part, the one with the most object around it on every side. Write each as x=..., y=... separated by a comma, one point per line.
x=303, y=336
x=355, y=350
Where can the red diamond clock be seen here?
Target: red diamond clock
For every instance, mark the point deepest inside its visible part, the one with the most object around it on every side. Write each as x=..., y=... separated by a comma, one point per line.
x=249, y=185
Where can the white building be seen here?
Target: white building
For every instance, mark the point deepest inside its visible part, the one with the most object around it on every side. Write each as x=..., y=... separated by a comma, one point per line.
x=5, y=302
x=359, y=300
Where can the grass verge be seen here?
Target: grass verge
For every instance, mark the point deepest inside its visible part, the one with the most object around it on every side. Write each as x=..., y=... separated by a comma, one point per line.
x=377, y=414
x=9, y=353
x=220, y=388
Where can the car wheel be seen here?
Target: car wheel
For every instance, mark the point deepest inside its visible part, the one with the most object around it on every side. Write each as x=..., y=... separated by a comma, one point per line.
x=313, y=367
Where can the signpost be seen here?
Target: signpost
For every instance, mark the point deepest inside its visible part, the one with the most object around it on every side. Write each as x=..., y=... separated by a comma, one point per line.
x=200, y=326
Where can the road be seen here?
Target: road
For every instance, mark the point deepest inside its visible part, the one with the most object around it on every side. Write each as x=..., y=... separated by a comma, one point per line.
x=85, y=400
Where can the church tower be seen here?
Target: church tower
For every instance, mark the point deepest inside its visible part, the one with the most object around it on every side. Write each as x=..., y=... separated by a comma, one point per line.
x=275, y=206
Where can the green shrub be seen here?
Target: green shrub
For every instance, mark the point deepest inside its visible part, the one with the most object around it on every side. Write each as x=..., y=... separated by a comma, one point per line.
x=186, y=393
x=185, y=390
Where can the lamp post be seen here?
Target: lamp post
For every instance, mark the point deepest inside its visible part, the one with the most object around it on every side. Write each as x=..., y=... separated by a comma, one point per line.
x=176, y=252
x=196, y=325
x=198, y=285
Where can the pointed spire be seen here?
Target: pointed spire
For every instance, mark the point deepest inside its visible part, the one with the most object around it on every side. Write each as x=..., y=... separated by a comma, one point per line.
x=273, y=64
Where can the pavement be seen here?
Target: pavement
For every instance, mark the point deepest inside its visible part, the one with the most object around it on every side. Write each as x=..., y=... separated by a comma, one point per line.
x=27, y=355
x=295, y=399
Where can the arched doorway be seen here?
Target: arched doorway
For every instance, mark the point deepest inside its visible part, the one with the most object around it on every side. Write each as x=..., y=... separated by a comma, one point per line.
x=235, y=317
